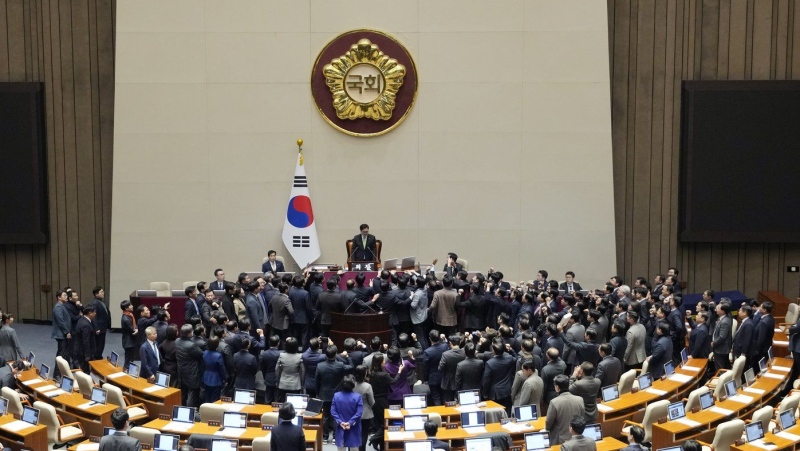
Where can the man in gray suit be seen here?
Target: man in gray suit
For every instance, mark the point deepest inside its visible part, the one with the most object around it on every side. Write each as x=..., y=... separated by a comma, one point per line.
x=578, y=442
x=637, y=335
x=282, y=310
x=448, y=366
x=528, y=387
x=563, y=409
x=575, y=333
x=609, y=369
x=119, y=440
x=722, y=338
x=584, y=384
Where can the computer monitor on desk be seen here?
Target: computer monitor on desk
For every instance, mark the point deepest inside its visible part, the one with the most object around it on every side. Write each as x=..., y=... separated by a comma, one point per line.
x=146, y=293
x=414, y=422
x=224, y=444
x=165, y=442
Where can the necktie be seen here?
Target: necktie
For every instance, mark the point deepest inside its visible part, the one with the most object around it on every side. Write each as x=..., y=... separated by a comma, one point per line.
x=196, y=310
x=570, y=288
x=363, y=242
x=155, y=351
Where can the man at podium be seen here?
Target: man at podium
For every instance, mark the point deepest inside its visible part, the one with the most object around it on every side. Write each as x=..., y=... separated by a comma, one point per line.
x=364, y=246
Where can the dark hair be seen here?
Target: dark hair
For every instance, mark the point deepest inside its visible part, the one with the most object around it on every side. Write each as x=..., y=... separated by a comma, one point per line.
x=375, y=344
x=172, y=332
x=469, y=349
x=663, y=327
x=286, y=412
x=348, y=383
x=123, y=305
x=562, y=382
x=363, y=226
x=767, y=305
x=691, y=445
x=186, y=330
x=587, y=368
x=578, y=424
x=118, y=418
x=212, y=343
x=591, y=333
x=527, y=365
x=291, y=345
x=377, y=363
x=19, y=365
x=88, y=310
x=447, y=281
x=431, y=428
x=637, y=433
x=570, y=273
x=606, y=348
x=360, y=373
x=189, y=290
x=331, y=351
x=96, y=290
x=393, y=354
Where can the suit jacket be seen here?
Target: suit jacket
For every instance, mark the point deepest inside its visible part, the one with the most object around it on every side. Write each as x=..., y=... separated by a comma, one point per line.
x=443, y=307
x=119, y=441
x=7, y=378
x=585, y=351
x=635, y=352
x=190, y=358
x=267, y=267
x=562, y=410
x=699, y=341
x=765, y=331
x=302, y=310
x=189, y=309
x=246, y=367
x=289, y=371
x=452, y=271
x=794, y=337
x=329, y=374
x=587, y=388
x=362, y=253
x=474, y=312
x=281, y=311
x=268, y=361
x=527, y=391
x=101, y=321
x=721, y=339
x=214, y=374
x=83, y=343
x=61, y=322
x=608, y=372
x=662, y=353
x=575, y=287
x=579, y=443
x=498, y=376
x=469, y=373
x=574, y=334
x=744, y=342
x=10, y=348
x=677, y=328
x=255, y=311
x=448, y=366
x=327, y=302
x=438, y=444
x=431, y=358
x=149, y=360
x=287, y=437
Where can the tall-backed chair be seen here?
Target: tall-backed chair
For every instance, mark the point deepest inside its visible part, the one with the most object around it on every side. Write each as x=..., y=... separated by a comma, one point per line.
x=726, y=435
x=652, y=413
x=136, y=412
x=792, y=313
x=694, y=397
x=719, y=389
x=269, y=419
x=162, y=288
x=738, y=369
x=464, y=263
x=626, y=381
x=763, y=415
x=57, y=431
x=145, y=435
x=261, y=444
x=63, y=367
x=189, y=283
x=14, y=401
x=645, y=367
x=85, y=382
x=789, y=403
x=212, y=412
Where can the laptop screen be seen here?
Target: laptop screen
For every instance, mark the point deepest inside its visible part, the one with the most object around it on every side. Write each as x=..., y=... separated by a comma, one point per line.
x=706, y=400
x=297, y=421
x=113, y=358
x=3, y=406
x=298, y=401
x=610, y=393
x=165, y=442
x=676, y=410
x=749, y=376
x=593, y=431
x=30, y=415
x=108, y=431
x=234, y=420
x=162, y=379
x=67, y=384
x=762, y=364
x=537, y=441
x=671, y=448
x=414, y=422
x=473, y=419
x=754, y=431
x=99, y=395
x=218, y=444
x=684, y=356
x=645, y=381
x=246, y=397
x=414, y=402
x=183, y=414
x=468, y=397
x=418, y=446
x=133, y=370
x=730, y=388
x=32, y=358
x=787, y=419
x=669, y=368
x=313, y=407
x=526, y=413
x=44, y=371
x=478, y=444
x=769, y=353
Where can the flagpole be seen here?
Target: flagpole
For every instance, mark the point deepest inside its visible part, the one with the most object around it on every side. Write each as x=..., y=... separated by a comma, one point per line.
x=300, y=149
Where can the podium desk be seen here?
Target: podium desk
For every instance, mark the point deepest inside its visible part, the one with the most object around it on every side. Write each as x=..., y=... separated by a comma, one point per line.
x=783, y=440
x=255, y=411
x=177, y=308
x=703, y=424
x=780, y=343
x=138, y=390
x=613, y=414
x=360, y=326
x=32, y=438
x=448, y=414
x=245, y=439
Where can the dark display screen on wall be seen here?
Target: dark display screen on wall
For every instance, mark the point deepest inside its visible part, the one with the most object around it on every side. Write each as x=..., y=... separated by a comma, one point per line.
x=740, y=161
x=23, y=173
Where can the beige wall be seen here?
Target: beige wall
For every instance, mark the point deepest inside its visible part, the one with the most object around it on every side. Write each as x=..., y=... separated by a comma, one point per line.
x=505, y=159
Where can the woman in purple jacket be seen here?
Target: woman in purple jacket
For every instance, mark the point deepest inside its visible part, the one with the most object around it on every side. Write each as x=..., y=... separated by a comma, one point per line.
x=399, y=370
x=347, y=408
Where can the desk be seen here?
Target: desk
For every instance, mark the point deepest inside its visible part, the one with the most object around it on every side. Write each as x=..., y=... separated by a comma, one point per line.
x=762, y=391
x=158, y=402
x=33, y=438
x=607, y=444
x=612, y=414
x=255, y=411
x=395, y=440
x=93, y=419
x=783, y=440
x=244, y=439
x=448, y=414
x=780, y=343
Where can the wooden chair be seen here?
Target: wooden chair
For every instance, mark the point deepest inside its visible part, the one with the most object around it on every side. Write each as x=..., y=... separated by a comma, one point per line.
x=349, y=245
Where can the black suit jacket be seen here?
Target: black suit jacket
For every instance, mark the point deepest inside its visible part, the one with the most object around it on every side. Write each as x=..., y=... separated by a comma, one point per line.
x=266, y=267
x=361, y=253
x=101, y=321
x=246, y=367
x=287, y=437
x=7, y=378
x=765, y=331
x=575, y=286
x=469, y=374
x=84, y=339
x=743, y=341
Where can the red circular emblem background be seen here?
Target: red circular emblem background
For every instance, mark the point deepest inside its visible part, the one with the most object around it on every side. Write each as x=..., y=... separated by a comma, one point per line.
x=323, y=97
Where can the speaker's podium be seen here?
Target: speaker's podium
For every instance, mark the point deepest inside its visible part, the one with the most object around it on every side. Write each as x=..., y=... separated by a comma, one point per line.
x=374, y=265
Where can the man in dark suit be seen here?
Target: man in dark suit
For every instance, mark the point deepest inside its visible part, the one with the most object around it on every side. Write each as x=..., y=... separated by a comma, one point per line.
x=570, y=286
x=254, y=305
x=431, y=358
x=662, y=350
x=699, y=338
x=8, y=375
x=192, y=305
x=743, y=340
x=219, y=280
x=677, y=328
x=554, y=366
x=84, y=340
x=609, y=369
x=498, y=376
x=469, y=372
x=764, y=332
x=364, y=249
x=268, y=360
x=272, y=264
x=328, y=301
x=101, y=322
x=287, y=436
x=190, y=360
x=246, y=367
x=448, y=366
x=148, y=352
x=794, y=347
x=562, y=410
x=430, y=433
x=301, y=317
x=119, y=440
x=452, y=267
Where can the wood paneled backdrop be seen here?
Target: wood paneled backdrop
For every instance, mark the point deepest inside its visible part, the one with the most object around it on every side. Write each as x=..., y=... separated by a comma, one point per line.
x=653, y=46
x=68, y=45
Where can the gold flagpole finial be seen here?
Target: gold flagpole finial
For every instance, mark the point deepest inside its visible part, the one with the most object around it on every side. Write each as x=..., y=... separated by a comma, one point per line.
x=300, y=149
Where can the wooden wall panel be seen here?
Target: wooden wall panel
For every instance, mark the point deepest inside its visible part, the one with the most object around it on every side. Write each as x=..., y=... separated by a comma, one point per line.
x=68, y=46
x=653, y=48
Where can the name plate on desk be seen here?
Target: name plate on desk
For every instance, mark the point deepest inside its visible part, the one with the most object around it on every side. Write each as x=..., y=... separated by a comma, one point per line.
x=362, y=266
x=266, y=427
x=452, y=426
x=450, y=404
x=394, y=428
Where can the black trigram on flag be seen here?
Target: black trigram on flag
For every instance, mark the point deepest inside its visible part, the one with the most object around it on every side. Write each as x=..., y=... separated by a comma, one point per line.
x=300, y=241
x=300, y=181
